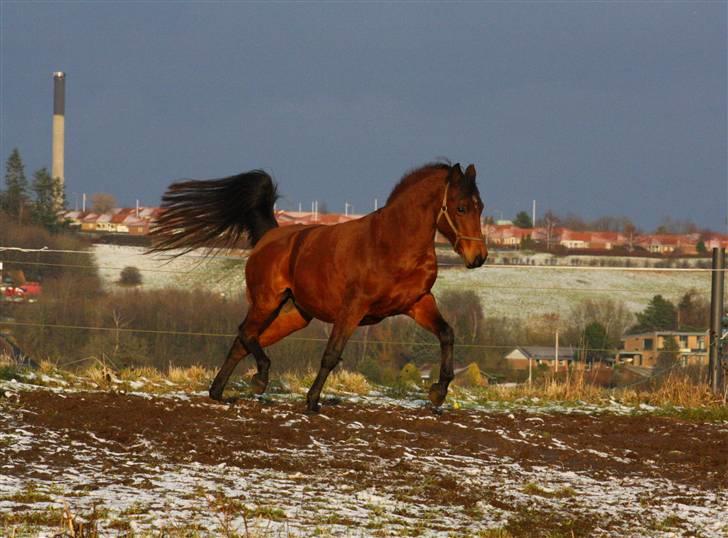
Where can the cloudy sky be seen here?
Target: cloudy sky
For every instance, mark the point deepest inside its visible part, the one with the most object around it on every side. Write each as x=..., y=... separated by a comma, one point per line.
x=595, y=108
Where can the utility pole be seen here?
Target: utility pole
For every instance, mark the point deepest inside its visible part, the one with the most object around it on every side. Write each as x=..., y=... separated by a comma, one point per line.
x=376, y=204
x=533, y=215
x=716, y=377
x=556, y=351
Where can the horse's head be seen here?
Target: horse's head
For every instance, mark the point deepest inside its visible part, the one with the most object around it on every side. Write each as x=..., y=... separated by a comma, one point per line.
x=459, y=216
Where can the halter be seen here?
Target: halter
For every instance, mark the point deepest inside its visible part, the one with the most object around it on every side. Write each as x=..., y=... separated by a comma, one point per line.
x=458, y=235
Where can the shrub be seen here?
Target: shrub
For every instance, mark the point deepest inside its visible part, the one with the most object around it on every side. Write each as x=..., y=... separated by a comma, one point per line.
x=409, y=374
x=376, y=372
x=130, y=276
x=471, y=377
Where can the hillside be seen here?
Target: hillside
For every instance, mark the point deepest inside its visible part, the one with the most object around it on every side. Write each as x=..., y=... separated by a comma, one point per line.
x=518, y=292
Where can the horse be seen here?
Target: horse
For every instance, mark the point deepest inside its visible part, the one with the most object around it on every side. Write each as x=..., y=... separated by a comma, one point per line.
x=348, y=274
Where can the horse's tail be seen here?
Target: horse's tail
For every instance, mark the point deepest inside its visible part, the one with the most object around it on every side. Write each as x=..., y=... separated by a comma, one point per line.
x=215, y=213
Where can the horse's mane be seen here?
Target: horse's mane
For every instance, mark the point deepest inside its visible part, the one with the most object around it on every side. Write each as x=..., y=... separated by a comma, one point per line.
x=414, y=176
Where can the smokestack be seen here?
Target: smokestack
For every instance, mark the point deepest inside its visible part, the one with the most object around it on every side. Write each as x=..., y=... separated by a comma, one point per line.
x=59, y=131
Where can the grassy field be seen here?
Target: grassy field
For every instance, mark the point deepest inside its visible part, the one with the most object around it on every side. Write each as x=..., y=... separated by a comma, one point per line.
x=518, y=292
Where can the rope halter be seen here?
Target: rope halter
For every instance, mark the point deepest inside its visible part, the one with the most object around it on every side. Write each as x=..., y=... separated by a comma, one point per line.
x=458, y=235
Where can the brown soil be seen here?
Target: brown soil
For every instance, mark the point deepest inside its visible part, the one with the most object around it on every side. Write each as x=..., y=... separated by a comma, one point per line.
x=253, y=434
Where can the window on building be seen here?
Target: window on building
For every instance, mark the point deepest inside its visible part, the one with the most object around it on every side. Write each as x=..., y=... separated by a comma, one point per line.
x=683, y=342
x=701, y=343
x=648, y=343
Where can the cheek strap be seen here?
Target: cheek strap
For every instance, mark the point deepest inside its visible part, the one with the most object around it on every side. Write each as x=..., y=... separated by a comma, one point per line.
x=458, y=235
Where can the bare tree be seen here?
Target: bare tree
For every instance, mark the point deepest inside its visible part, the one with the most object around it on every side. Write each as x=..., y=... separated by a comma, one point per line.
x=102, y=202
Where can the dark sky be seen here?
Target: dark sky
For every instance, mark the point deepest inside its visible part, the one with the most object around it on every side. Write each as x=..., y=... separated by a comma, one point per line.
x=595, y=108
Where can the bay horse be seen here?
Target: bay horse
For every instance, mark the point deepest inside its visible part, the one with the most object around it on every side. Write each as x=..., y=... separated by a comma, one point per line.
x=349, y=274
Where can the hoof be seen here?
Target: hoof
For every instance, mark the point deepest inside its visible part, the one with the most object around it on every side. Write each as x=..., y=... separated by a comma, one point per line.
x=332, y=400
x=257, y=384
x=437, y=395
x=313, y=408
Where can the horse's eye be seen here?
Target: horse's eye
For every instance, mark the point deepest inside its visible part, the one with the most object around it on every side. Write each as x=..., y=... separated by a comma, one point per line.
x=461, y=209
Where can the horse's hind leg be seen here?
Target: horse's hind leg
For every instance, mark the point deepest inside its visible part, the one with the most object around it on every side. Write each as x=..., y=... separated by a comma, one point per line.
x=288, y=319
x=342, y=330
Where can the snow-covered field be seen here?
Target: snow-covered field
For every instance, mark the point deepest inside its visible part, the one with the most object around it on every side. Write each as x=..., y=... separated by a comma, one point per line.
x=505, y=291
x=178, y=464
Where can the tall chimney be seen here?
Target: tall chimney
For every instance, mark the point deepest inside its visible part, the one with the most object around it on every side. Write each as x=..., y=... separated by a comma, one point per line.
x=59, y=130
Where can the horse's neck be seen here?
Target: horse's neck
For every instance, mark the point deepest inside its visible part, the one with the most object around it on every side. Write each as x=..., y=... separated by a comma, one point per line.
x=410, y=220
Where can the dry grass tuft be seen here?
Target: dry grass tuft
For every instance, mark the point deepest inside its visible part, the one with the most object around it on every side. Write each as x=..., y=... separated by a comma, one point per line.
x=7, y=361
x=676, y=390
x=143, y=373
x=47, y=367
x=190, y=376
x=99, y=373
x=342, y=381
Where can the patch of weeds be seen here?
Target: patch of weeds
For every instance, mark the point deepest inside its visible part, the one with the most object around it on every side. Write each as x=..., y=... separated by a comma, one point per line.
x=494, y=533
x=533, y=523
x=399, y=391
x=561, y=493
x=473, y=512
x=31, y=494
x=135, y=508
x=266, y=512
x=123, y=525
x=667, y=523
x=8, y=373
x=374, y=524
x=698, y=414
x=336, y=519
x=50, y=517
x=375, y=509
x=56, y=490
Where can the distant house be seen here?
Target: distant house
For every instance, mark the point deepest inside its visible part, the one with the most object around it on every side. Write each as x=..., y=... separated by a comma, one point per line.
x=644, y=349
x=668, y=243
x=519, y=358
x=88, y=222
x=607, y=240
x=714, y=240
x=506, y=235
x=73, y=218
x=575, y=240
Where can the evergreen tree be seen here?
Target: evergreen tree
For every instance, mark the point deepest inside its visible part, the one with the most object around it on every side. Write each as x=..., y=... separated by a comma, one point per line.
x=597, y=342
x=669, y=354
x=523, y=220
x=47, y=193
x=693, y=311
x=660, y=315
x=16, y=194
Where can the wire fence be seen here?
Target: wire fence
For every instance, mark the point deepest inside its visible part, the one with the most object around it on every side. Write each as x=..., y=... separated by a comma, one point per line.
x=46, y=323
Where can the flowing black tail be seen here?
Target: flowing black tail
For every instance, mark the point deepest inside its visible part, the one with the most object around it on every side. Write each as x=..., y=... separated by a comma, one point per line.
x=215, y=213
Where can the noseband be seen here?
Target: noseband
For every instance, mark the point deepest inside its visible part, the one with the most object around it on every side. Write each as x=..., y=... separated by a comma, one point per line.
x=458, y=235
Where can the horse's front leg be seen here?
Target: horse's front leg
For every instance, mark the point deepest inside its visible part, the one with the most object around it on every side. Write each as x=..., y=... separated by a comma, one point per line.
x=343, y=328
x=427, y=316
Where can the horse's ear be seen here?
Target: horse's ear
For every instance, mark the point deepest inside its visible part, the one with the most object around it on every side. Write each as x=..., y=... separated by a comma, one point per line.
x=456, y=171
x=470, y=172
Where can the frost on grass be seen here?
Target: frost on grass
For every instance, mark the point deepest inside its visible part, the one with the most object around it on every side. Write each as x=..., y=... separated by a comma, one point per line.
x=511, y=292
x=372, y=466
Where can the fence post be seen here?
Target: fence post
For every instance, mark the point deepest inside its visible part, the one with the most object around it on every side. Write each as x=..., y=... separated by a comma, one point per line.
x=715, y=370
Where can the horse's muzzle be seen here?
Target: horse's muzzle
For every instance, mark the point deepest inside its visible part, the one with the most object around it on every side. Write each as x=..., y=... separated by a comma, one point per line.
x=477, y=262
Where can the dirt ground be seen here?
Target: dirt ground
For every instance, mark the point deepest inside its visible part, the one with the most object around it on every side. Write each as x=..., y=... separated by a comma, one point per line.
x=155, y=464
